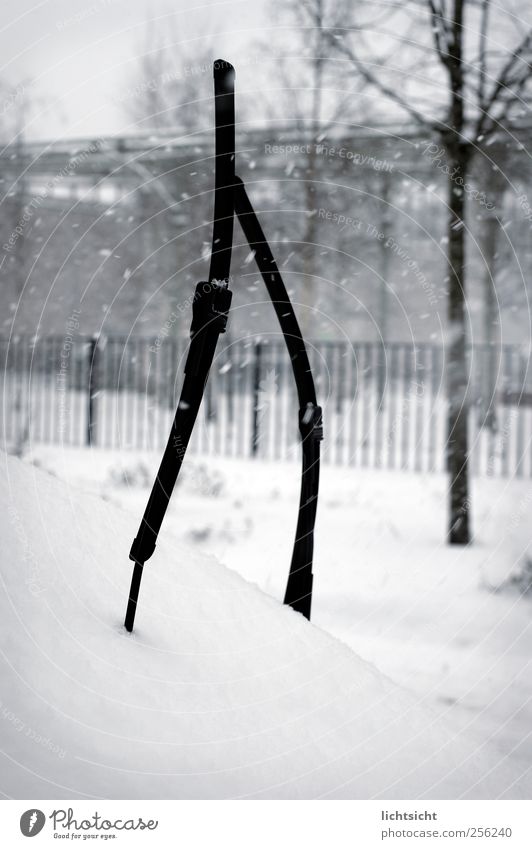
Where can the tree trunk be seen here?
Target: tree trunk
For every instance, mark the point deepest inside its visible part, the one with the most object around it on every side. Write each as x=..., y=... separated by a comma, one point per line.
x=309, y=238
x=488, y=411
x=310, y=233
x=494, y=180
x=458, y=155
x=457, y=438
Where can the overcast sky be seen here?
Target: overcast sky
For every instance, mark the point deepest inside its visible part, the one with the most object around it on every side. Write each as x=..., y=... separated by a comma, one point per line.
x=81, y=56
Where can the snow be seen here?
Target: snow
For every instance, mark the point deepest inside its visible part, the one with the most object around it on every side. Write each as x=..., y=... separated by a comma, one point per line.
x=221, y=691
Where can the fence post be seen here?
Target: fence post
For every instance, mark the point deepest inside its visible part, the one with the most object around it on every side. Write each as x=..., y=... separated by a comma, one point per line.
x=255, y=435
x=92, y=363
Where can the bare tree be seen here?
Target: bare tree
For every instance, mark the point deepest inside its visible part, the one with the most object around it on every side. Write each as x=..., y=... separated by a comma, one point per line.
x=310, y=95
x=169, y=93
x=169, y=81
x=494, y=181
x=483, y=91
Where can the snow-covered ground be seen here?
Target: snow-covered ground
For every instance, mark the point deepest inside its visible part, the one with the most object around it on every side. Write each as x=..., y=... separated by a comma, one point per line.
x=222, y=691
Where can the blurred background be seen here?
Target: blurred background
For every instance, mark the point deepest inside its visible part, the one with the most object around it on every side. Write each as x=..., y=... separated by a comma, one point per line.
x=387, y=150
x=343, y=139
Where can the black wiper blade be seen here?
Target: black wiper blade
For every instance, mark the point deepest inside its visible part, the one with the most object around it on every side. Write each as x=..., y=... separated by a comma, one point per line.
x=222, y=233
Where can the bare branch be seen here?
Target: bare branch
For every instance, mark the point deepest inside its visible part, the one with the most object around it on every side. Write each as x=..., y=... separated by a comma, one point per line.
x=375, y=81
x=503, y=83
x=482, y=50
x=439, y=31
x=339, y=110
x=517, y=87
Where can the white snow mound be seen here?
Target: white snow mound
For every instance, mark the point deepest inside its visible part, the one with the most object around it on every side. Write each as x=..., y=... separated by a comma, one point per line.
x=220, y=692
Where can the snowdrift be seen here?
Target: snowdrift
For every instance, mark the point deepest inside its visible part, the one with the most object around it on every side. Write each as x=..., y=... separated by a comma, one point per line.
x=220, y=692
